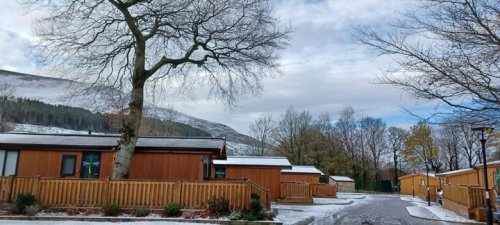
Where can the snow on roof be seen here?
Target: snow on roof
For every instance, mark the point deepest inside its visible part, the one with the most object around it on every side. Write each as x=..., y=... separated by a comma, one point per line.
x=255, y=161
x=454, y=172
x=302, y=169
x=490, y=163
x=109, y=141
x=341, y=178
x=431, y=174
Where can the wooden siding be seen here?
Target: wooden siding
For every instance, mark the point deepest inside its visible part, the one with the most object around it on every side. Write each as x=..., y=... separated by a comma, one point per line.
x=300, y=177
x=267, y=177
x=155, y=165
x=410, y=183
x=469, y=178
x=492, y=171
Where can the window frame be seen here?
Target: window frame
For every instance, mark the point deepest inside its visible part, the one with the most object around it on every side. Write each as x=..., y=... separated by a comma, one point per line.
x=215, y=173
x=5, y=161
x=69, y=156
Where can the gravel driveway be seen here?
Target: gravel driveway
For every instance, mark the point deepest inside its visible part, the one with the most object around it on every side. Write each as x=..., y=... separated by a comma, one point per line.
x=382, y=209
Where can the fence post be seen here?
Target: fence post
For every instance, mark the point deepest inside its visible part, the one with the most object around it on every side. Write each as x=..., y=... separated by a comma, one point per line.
x=8, y=189
x=178, y=192
x=469, y=195
x=107, y=191
x=36, y=188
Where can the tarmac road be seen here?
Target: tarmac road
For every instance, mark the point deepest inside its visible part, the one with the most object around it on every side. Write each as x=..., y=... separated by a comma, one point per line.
x=383, y=209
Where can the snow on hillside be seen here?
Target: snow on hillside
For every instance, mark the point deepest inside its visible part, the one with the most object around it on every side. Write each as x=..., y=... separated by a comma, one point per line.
x=56, y=92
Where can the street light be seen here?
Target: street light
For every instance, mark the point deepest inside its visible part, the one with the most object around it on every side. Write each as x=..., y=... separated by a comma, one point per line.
x=427, y=184
x=489, y=215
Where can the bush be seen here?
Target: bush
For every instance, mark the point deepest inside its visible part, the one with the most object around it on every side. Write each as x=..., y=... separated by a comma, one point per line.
x=256, y=206
x=248, y=216
x=141, y=211
x=32, y=209
x=254, y=196
x=218, y=206
x=23, y=200
x=172, y=209
x=111, y=209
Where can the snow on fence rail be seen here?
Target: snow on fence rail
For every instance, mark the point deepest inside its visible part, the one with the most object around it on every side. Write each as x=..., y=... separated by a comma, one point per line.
x=64, y=192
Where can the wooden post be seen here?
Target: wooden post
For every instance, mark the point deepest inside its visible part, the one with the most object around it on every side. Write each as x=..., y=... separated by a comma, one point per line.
x=107, y=191
x=178, y=192
x=36, y=186
x=249, y=195
x=8, y=188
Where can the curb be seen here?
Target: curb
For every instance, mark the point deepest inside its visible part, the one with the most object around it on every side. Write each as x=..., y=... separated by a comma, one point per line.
x=130, y=219
x=306, y=221
x=443, y=220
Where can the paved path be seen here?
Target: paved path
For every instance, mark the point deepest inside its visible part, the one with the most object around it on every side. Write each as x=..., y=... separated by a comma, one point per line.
x=382, y=209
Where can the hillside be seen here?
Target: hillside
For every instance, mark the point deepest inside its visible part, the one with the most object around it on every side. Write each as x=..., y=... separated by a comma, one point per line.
x=56, y=91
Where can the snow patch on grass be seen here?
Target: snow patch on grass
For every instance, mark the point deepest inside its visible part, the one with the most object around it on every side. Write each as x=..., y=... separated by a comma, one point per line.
x=24, y=222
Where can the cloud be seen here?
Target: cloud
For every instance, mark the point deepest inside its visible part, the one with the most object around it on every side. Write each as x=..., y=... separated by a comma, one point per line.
x=323, y=69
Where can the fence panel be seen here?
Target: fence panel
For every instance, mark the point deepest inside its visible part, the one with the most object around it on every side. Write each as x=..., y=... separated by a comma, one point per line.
x=195, y=194
x=478, y=198
x=4, y=188
x=24, y=185
x=295, y=190
x=153, y=194
x=458, y=194
x=262, y=193
x=324, y=190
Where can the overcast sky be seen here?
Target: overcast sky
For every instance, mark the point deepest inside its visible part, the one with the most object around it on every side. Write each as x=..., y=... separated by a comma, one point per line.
x=323, y=69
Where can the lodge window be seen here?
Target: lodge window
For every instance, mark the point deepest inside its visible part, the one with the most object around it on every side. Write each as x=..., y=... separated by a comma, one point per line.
x=8, y=162
x=68, y=165
x=206, y=167
x=220, y=173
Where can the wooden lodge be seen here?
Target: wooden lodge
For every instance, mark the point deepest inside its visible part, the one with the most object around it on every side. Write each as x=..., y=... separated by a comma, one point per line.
x=306, y=174
x=91, y=156
x=416, y=184
x=463, y=190
x=264, y=171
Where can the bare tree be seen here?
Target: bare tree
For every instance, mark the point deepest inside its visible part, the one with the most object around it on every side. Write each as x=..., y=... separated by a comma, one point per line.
x=130, y=44
x=261, y=130
x=396, y=137
x=448, y=141
x=447, y=50
x=375, y=140
x=346, y=127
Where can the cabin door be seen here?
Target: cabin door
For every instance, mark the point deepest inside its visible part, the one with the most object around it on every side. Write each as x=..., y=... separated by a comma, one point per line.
x=91, y=165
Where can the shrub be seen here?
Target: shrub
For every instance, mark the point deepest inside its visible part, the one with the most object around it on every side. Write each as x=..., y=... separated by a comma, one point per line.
x=141, y=211
x=172, y=209
x=111, y=209
x=248, y=216
x=218, y=206
x=32, y=209
x=254, y=196
x=256, y=206
x=23, y=200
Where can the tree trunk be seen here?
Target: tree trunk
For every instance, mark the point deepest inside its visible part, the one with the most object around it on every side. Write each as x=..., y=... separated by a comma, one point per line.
x=129, y=134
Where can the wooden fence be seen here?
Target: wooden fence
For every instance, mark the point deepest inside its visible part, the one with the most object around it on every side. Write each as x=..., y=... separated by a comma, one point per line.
x=324, y=190
x=262, y=193
x=422, y=192
x=471, y=197
x=59, y=192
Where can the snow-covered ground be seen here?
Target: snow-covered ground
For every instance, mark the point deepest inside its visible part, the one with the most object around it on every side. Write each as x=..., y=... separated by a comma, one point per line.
x=435, y=211
x=27, y=222
x=322, y=207
x=29, y=128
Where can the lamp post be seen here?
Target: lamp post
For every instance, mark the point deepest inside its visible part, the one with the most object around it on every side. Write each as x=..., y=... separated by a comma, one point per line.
x=427, y=184
x=489, y=214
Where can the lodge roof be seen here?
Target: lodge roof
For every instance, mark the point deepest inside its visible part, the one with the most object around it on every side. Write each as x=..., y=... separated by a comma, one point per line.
x=418, y=173
x=270, y=161
x=341, y=178
x=107, y=142
x=490, y=163
x=302, y=169
x=455, y=172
